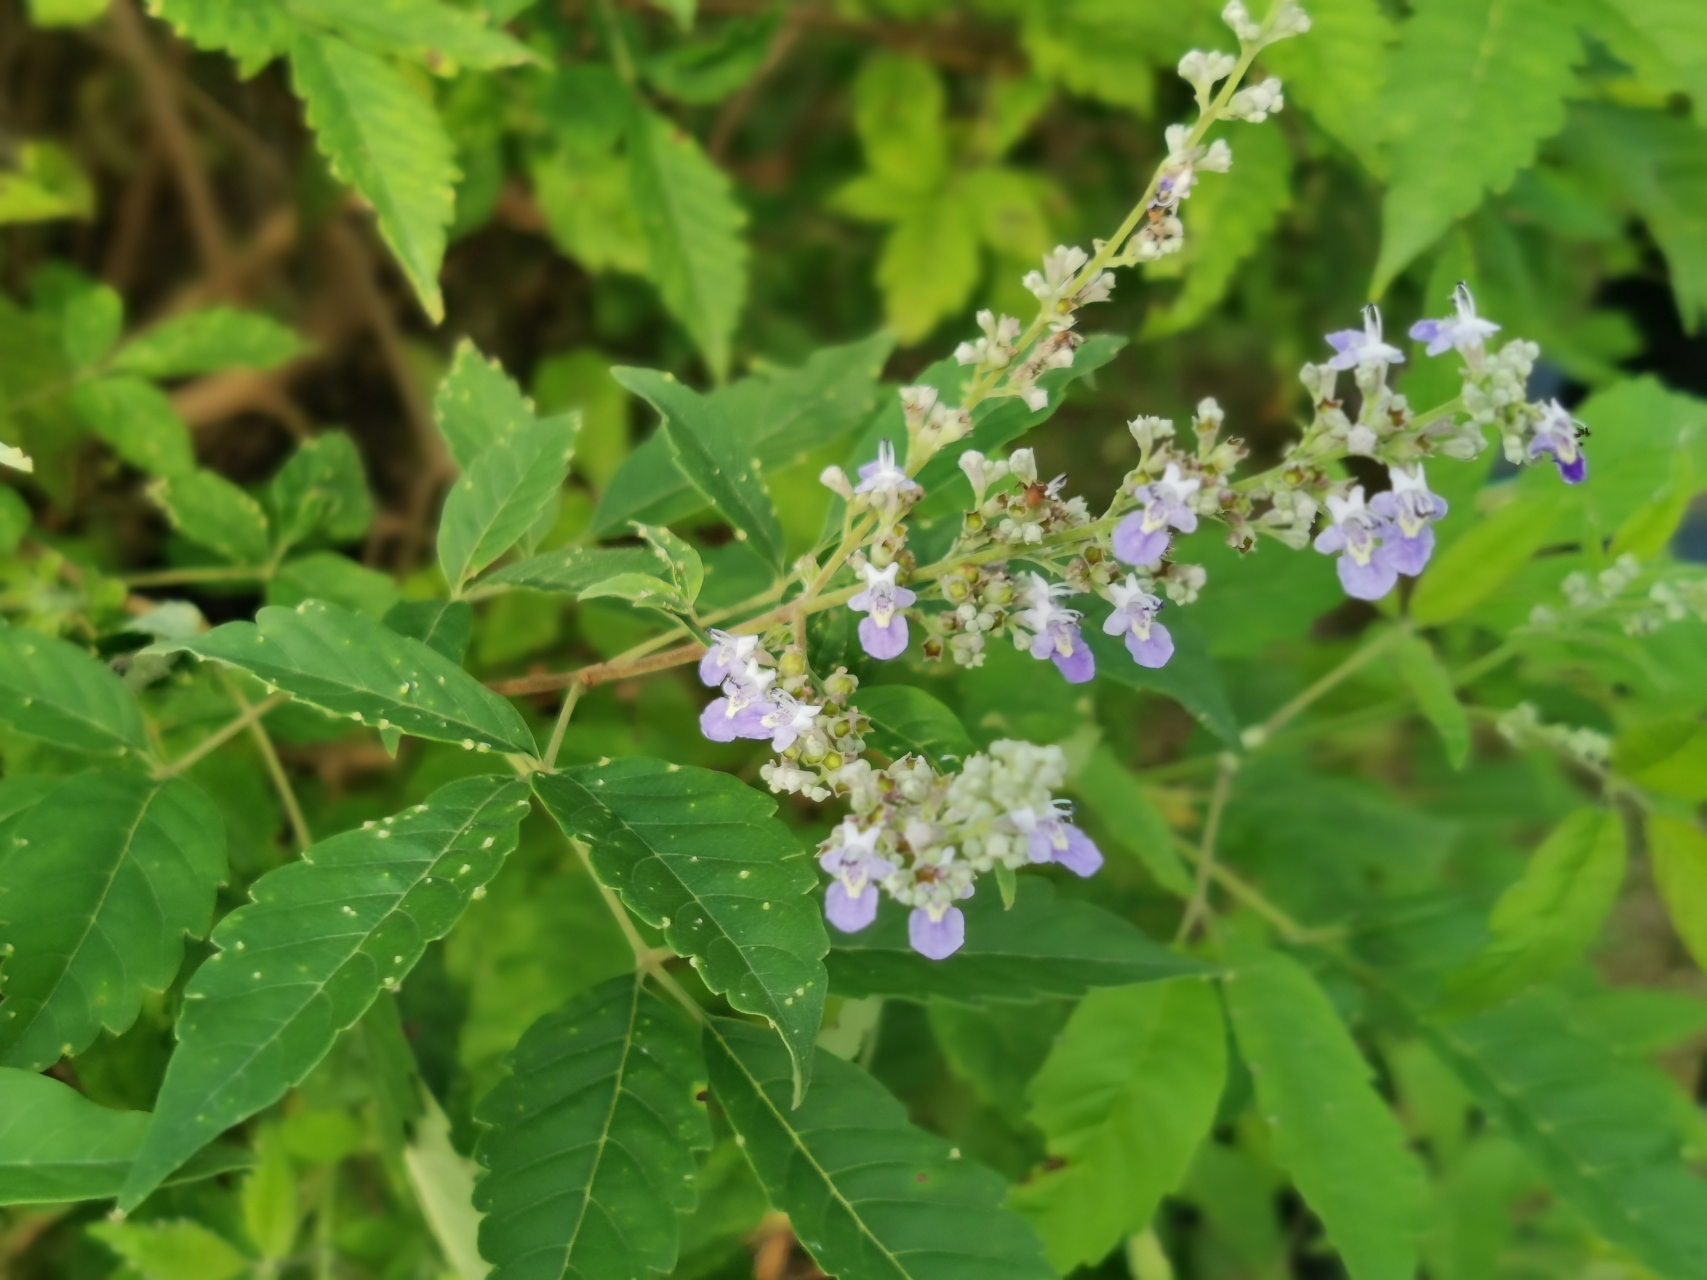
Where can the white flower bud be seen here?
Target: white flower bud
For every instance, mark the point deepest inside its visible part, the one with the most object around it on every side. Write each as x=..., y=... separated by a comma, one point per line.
x=1218, y=159
x=1036, y=398
x=1148, y=430
x=1022, y=463
x=1236, y=16
x=1201, y=70
x=1290, y=21
x=836, y=481
x=1255, y=103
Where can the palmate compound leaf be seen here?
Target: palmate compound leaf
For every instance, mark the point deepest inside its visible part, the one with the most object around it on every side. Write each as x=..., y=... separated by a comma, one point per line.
x=869, y=1196
x=1599, y=1125
x=99, y=883
x=700, y=855
x=1125, y=1096
x=306, y=958
x=54, y=691
x=57, y=1146
x=384, y=138
x=1044, y=946
x=589, y=1153
x=349, y=665
x=712, y=454
x=1332, y=1132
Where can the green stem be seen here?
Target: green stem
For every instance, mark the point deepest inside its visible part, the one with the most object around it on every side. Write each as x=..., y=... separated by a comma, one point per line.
x=275, y=766
x=1198, y=907
x=205, y=573
x=1256, y=735
x=570, y=698
x=221, y=736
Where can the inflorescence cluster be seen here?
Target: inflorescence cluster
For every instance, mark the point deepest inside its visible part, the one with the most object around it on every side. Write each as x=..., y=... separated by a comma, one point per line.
x=922, y=836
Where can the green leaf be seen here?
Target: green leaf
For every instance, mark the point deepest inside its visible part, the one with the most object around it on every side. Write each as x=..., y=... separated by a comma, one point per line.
x=254, y=32
x=1484, y=559
x=1044, y=946
x=1108, y=49
x=1334, y=75
x=56, y=692
x=138, y=421
x=211, y=512
x=322, y=488
x=639, y=589
x=350, y=665
x=783, y=418
x=589, y=1150
x=704, y=71
x=443, y=1182
x=98, y=887
x=1230, y=216
x=1659, y=167
x=929, y=264
x=692, y=226
x=65, y=13
x=1667, y=756
x=477, y=406
x=208, y=342
x=442, y=38
x=1542, y=924
x=1190, y=678
x=908, y=721
x=573, y=569
x=1679, y=853
x=700, y=855
x=42, y=183
x=271, y=1211
x=1431, y=685
x=1125, y=1096
x=1475, y=86
x=1119, y=802
x=867, y=1194
x=1599, y=1126
x=686, y=569
x=383, y=138
x=1650, y=528
x=579, y=381
x=502, y=495
x=712, y=454
x=442, y=625
x=310, y=953
x=57, y=1146
x=1664, y=40
x=898, y=113
x=172, y=1250
x=90, y=325
x=335, y=579
x=1331, y=1131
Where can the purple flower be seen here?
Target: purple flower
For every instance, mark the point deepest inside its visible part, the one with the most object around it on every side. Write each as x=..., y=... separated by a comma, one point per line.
x=1408, y=508
x=1142, y=538
x=1055, y=631
x=1134, y=617
x=1559, y=434
x=741, y=711
x=786, y=718
x=851, y=903
x=885, y=482
x=1365, y=569
x=726, y=658
x=936, y=932
x=1465, y=330
x=884, y=633
x=1051, y=838
x=1363, y=348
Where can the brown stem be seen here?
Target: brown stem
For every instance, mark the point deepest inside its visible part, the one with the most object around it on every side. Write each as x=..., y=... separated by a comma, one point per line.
x=162, y=103
x=599, y=672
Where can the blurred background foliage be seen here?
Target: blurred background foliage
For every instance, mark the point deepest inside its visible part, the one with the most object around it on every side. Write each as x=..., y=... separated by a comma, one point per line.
x=722, y=189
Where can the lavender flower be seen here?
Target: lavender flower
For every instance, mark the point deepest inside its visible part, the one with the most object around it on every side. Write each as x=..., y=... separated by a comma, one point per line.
x=1055, y=631
x=1363, y=348
x=1134, y=617
x=1366, y=571
x=884, y=633
x=936, y=931
x=1408, y=508
x=884, y=483
x=741, y=711
x=786, y=719
x=728, y=657
x=1051, y=838
x=1142, y=538
x=851, y=903
x=1560, y=435
x=1465, y=330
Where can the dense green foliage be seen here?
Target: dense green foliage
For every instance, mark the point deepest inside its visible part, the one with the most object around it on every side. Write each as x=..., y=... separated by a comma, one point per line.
x=399, y=397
